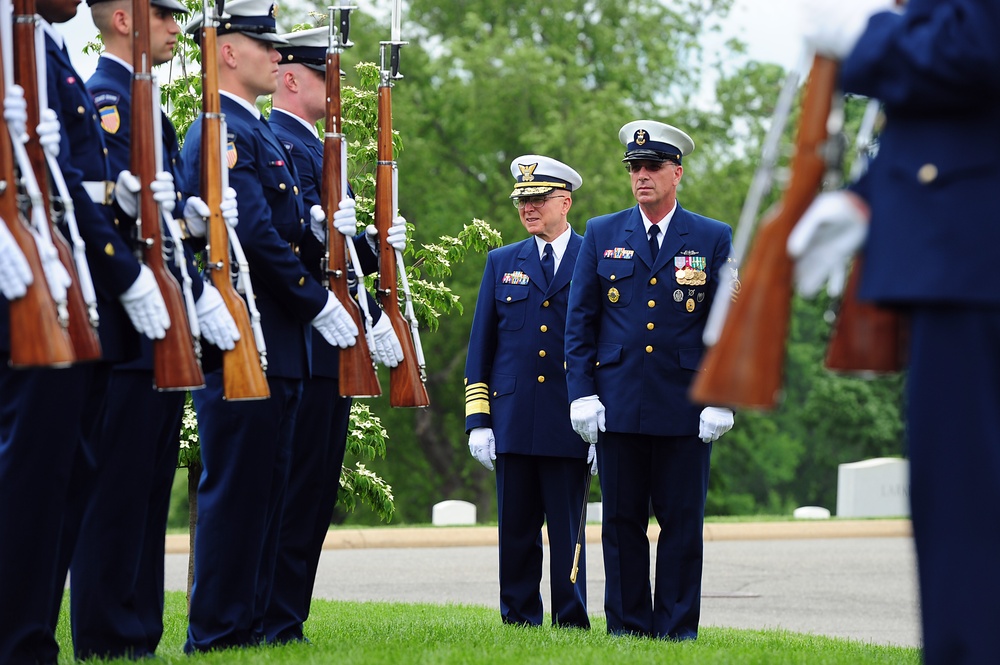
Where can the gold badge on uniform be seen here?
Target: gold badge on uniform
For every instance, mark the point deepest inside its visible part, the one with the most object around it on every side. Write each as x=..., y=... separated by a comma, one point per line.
x=613, y=294
x=689, y=305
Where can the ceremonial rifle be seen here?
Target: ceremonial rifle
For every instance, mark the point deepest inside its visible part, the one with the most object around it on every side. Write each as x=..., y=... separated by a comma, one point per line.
x=866, y=339
x=243, y=376
x=38, y=336
x=175, y=363
x=744, y=367
x=358, y=377
x=29, y=63
x=406, y=380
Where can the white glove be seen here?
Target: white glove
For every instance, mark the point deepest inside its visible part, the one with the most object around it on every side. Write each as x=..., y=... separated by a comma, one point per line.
x=317, y=222
x=335, y=324
x=483, y=446
x=715, y=421
x=196, y=213
x=587, y=415
x=832, y=27
x=144, y=304
x=15, y=110
x=824, y=241
x=216, y=323
x=127, y=192
x=345, y=219
x=396, y=237
x=49, y=132
x=55, y=272
x=592, y=458
x=388, y=350
x=15, y=273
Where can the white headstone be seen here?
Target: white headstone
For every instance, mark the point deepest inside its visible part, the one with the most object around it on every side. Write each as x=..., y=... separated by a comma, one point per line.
x=811, y=513
x=595, y=512
x=878, y=487
x=453, y=512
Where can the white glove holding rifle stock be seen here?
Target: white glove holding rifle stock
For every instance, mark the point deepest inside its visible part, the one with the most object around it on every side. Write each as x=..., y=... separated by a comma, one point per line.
x=196, y=213
x=15, y=273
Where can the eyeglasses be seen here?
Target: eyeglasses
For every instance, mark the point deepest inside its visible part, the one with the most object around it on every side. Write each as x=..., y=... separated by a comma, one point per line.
x=535, y=202
x=652, y=167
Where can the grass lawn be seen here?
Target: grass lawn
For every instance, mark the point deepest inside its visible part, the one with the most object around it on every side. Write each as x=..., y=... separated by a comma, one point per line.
x=345, y=633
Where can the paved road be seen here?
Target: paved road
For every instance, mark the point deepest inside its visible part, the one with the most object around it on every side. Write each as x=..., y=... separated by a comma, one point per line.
x=857, y=588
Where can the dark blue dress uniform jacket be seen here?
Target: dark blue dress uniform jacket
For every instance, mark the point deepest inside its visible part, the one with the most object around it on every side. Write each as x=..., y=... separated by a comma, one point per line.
x=83, y=157
x=111, y=89
x=515, y=374
x=933, y=186
x=633, y=333
x=272, y=216
x=307, y=153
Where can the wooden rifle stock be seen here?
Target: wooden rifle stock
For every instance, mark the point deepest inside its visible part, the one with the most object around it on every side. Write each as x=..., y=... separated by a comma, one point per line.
x=744, y=368
x=243, y=377
x=175, y=365
x=406, y=386
x=358, y=377
x=866, y=339
x=83, y=335
x=37, y=338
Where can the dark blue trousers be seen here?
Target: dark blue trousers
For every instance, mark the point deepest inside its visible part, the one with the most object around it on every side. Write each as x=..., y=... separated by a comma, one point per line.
x=40, y=431
x=533, y=489
x=313, y=480
x=245, y=449
x=116, y=593
x=954, y=449
x=672, y=474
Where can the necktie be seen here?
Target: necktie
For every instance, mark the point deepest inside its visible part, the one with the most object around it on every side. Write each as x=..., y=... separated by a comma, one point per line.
x=654, y=247
x=548, y=263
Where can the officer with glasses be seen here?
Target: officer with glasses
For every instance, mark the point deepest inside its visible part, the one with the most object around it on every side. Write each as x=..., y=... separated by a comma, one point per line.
x=516, y=408
x=645, y=279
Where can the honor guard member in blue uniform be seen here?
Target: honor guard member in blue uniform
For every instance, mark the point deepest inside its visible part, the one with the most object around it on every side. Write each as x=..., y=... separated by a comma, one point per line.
x=516, y=409
x=48, y=464
x=644, y=281
x=930, y=194
x=321, y=426
x=117, y=571
x=246, y=445
x=36, y=454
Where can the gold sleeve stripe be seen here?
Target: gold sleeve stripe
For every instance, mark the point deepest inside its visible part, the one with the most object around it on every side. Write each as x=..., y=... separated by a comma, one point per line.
x=477, y=399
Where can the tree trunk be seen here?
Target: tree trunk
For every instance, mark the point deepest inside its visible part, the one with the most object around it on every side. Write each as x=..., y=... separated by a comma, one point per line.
x=194, y=474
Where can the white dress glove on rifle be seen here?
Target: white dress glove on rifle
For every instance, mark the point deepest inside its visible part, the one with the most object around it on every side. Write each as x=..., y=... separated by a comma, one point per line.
x=335, y=324
x=144, y=305
x=15, y=110
x=196, y=213
x=55, y=272
x=824, y=241
x=832, y=27
x=127, y=192
x=15, y=273
x=587, y=416
x=317, y=222
x=396, y=236
x=592, y=458
x=483, y=446
x=216, y=323
x=345, y=220
x=715, y=421
x=387, y=349
x=49, y=135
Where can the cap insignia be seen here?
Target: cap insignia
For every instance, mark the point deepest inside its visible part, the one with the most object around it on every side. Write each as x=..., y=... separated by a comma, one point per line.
x=527, y=172
x=640, y=137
